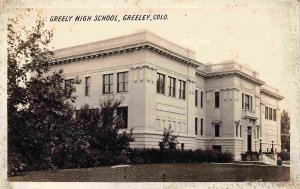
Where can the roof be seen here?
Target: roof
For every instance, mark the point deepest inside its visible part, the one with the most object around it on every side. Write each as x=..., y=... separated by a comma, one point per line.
x=131, y=42
x=271, y=91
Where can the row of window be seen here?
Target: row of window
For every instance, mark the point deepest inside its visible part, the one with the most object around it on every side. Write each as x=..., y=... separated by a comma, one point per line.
x=238, y=131
x=122, y=82
x=201, y=98
x=179, y=126
x=108, y=84
x=196, y=126
x=122, y=112
x=160, y=86
x=247, y=101
x=270, y=113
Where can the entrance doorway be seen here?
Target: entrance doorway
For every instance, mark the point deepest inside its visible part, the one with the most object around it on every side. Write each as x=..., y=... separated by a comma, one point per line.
x=249, y=137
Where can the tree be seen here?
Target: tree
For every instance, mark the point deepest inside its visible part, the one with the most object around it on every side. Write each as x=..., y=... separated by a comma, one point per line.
x=285, y=130
x=103, y=125
x=169, y=141
x=97, y=139
x=38, y=107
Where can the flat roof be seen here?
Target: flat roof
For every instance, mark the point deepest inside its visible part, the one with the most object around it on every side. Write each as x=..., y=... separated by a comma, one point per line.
x=133, y=40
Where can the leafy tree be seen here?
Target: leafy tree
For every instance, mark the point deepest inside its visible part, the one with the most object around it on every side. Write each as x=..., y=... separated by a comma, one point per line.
x=285, y=130
x=42, y=131
x=169, y=141
x=103, y=125
x=38, y=107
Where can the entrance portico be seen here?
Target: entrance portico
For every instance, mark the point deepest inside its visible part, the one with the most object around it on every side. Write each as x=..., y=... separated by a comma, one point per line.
x=248, y=137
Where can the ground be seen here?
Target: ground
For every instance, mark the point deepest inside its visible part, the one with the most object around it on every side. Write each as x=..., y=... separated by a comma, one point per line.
x=180, y=172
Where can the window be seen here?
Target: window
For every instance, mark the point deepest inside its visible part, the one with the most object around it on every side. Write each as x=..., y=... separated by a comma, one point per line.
x=217, y=130
x=123, y=112
x=237, y=130
x=243, y=96
x=270, y=113
x=201, y=99
x=182, y=146
x=247, y=102
x=266, y=112
x=274, y=115
x=216, y=147
x=196, y=126
x=201, y=127
x=172, y=84
x=181, y=89
x=217, y=99
x=122, y=82
x=68, y=85
x=87, y=86
x=240, y=131
x=196, y=97
x=107, y=83
x=160, y=84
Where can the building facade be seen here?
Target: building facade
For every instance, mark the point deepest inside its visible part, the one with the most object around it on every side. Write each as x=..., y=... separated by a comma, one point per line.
x=209, y=106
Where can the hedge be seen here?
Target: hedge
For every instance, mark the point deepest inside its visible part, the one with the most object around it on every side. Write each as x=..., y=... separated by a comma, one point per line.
x=285, y=156
x=138, y=156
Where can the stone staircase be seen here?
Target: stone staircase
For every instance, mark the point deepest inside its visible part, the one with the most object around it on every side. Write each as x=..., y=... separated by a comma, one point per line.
x=270, y=159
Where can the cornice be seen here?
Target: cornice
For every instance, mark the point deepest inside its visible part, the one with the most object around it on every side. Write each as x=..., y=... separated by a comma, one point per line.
x=127, y=49
x=273, y=95
x=231, y=72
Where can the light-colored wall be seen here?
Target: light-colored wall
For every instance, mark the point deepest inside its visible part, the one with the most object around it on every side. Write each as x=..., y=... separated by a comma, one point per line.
x=272, y=129
x=149, y=112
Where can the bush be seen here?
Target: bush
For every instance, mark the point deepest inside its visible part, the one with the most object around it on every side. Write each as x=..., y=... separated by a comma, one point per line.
x=15, y=164
x=137, y=156
x=285, y=156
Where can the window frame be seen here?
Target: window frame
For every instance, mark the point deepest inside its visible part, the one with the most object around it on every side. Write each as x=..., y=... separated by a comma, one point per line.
x=123, y=83
x=217, y=99
x=274, y=115
x=196, y=98
x=109, y=84
x=201, y=99
x=201, y=126
x=196, y=126
x=172, y=86
x=270, y=113
x=87, y=88
x=182, y=89
x=217, y=132
x=160, y=83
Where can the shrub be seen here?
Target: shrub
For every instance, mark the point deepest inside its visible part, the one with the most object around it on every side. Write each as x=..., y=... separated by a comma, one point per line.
x=136, y=156
x=169, y=141
x=285, y=156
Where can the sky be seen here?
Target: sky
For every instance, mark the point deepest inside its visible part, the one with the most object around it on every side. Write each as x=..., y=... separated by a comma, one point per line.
x=259, y=36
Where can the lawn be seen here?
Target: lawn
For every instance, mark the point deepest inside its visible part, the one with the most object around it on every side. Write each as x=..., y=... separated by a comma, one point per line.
x=155, y=173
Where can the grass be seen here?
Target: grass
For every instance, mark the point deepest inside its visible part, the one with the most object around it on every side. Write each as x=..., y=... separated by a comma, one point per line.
x=154, y=173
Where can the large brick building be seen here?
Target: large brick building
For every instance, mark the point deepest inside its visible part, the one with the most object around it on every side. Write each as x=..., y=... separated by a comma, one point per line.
x=221, y=106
